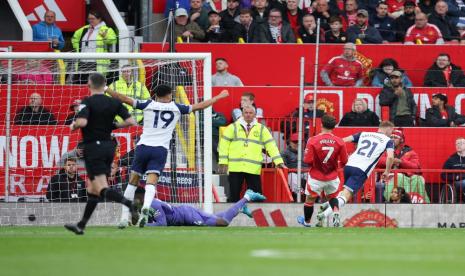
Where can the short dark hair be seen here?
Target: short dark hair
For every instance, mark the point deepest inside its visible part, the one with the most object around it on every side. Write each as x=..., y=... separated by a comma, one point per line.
x=222, y=59
x=276, y=10
x=328, y=121
x=72, y=159
x=162, y=90
x=334, y=18
x=381, y=3
x=249, y=95
x=246, y=11
x=96, y=14
x=444, y=55
x=442, y=97
x=97, y=80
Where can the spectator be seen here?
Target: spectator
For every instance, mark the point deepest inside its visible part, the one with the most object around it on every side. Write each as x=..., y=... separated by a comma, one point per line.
x=34, y=73
x=344, y=70
x=306, y=5
x=426, y=6
x=293, y=16
x=260, y=11
x=240, y=152
x=289, y=156
x=399, y=195
x=290, y=126
x=128, y=86
x=457, y=12
x=441, y=114
x=440, y=19
x=276, y=31
x=405, y=158
x=115, y=181
x=74, y=111
x=360, y=115
x=385, y=68
x=336, y=7
x=34, y=113
x=456, y=162
x=405, y=21
x=67, y=185
x=222, y=77
x=423, y=32
x=77, y=154
x=178, y=4
x=395, y=8
x=383, y=23
x=247, y=29
x=186, y=30
x=218, y=120
x=93, y=38
x=349, y=16
x=47, y=30
x=322, y=12
x=443, y=73
x=216, y=33
x=247, y=99
x=199, y=14
x=216, y=5
x=399, y=99
x=335, y=34
x=308, y=31
x=230, y=16
x=362, y=31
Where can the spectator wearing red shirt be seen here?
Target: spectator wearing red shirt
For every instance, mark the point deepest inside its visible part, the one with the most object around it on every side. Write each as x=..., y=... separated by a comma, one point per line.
x=323, y=153
x=293, y=15
x=344, y=70
x=443, y=73
x=441, y=114
x=395, y=8
x=423, y=31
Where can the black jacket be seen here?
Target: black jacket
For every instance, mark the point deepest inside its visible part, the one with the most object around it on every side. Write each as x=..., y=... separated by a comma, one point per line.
x=219, y=36
x=300, y=16
x=401, y=25
x=433, y=117
x=448, y=31
x=287, y=35
x=454, y=162
x=435, y=77
x=310, y=38
x=387, y=97
x=250, y=35
x=227, y=21
x=65, y=189
x=367, y=118
x=291, y=123
x=26, y=116
x=330, y=38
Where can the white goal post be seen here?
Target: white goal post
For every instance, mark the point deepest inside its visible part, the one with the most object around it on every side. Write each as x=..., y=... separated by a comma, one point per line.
x=198, y=67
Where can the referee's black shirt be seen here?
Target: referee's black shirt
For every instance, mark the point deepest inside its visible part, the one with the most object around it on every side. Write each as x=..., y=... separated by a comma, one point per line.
x=100, y=112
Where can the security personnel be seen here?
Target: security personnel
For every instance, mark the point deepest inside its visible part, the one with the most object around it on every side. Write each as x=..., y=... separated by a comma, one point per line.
x=240, y=152
x=96, y=37
x=127, y=86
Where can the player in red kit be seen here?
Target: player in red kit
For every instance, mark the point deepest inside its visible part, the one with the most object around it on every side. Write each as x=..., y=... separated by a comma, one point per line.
x=323, y=154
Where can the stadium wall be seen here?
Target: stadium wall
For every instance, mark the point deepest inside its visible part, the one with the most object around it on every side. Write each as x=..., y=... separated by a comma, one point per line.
x=265, y=215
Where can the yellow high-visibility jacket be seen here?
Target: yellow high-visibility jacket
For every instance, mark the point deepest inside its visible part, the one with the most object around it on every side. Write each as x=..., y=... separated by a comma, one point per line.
x=243, y=153
x=135, y=90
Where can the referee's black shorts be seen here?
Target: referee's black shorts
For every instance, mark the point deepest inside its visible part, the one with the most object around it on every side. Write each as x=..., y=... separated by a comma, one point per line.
x=98, y=157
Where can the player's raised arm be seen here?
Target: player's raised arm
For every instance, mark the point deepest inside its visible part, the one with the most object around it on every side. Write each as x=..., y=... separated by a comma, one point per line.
x=207, y=103
x=123, y=98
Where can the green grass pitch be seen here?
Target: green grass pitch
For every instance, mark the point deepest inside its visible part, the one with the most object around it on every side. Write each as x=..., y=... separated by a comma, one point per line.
x=231, y=251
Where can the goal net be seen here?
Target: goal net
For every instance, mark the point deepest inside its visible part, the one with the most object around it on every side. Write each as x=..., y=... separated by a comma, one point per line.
x=42, y=174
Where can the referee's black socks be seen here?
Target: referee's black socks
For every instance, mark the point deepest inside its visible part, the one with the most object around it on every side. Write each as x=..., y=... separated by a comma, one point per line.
x=113, y=195
x=92, y=201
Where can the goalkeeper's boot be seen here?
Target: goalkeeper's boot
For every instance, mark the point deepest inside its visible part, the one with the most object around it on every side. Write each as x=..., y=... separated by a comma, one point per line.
x=143, y=217
x=320, y=218
x=323, y=207
x=253, y=196
x=336, y=219
x=74, y=228
x=246, y=211
x=301, y=220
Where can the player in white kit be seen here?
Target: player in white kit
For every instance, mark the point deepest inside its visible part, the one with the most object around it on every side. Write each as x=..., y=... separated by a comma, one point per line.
x=160, y=118
x=370, y=147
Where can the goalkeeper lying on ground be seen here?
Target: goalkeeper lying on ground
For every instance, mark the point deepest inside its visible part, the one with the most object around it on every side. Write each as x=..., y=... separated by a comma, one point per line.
x=163, y=214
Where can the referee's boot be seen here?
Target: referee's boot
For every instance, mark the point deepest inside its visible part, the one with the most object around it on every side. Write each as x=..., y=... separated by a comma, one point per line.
x=74, y=228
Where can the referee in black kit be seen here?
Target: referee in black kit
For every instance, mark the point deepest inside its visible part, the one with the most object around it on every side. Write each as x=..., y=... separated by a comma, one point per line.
x=96, y=119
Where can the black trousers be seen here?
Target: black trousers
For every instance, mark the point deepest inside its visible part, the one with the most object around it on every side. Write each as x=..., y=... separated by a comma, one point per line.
x=403, y=121
x=236, y=179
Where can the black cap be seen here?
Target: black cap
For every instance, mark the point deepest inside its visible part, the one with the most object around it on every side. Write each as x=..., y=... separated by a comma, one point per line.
x=410, y=4
x=440, y=96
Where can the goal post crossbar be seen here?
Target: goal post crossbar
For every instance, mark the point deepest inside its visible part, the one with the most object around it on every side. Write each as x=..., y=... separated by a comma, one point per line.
x=207, y=93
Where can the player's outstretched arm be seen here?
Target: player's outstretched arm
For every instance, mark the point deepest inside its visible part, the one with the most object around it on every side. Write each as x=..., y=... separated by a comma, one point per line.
x=126, y=123
x=389, y=162
x=348, y=139
x=78, y=123
x=123, y=98
x=207, y=103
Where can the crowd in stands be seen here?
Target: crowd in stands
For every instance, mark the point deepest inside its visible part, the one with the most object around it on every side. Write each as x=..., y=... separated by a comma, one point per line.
x=341, y=21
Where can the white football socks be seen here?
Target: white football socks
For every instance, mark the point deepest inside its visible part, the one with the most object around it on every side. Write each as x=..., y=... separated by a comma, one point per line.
x=149, y=195
x=128, y=194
